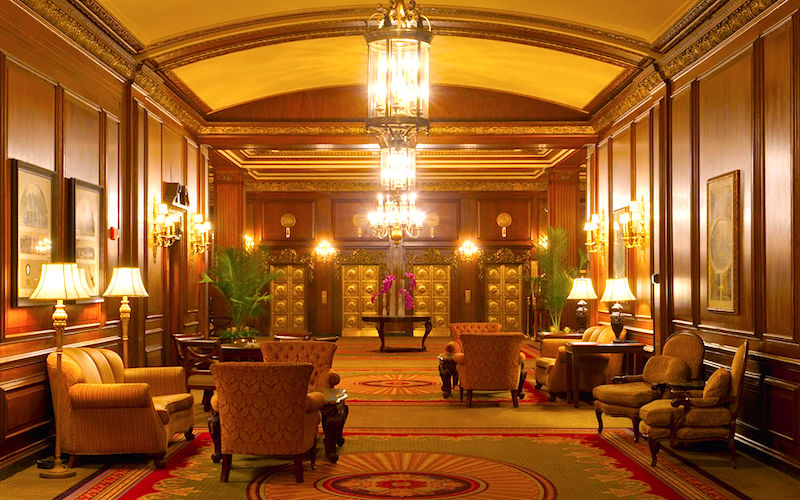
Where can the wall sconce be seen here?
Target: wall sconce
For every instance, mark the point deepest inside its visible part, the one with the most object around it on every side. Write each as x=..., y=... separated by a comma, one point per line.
x=288, y=221
x=596, y=233
x=199, y=233
x=468, y=250
x=324, y=251
x=249, y=243
x=166, y=228
x=43, y=246
x=503, y=220
x=634, y=227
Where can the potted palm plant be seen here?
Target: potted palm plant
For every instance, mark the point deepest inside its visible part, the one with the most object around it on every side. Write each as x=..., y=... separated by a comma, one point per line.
x=555, y=279
x=242, y=278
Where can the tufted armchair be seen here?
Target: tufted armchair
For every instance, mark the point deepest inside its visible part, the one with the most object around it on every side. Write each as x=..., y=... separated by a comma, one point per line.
x=105, y=408
x=319, y=354
x=490, y=362
x=707, y=415
x=681, y=361
x=551, y=366
x=264, y=409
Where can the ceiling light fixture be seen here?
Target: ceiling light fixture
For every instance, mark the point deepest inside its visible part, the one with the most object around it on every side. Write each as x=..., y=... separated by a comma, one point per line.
x=396, y=216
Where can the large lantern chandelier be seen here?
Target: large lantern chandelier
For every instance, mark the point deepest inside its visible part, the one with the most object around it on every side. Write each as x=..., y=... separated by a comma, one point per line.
x=396, y=216
x=398, y=44
x=398, y=166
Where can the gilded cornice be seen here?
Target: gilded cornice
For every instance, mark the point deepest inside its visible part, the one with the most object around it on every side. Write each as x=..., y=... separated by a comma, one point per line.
x=442, y=186
x=694, y=14
x=108, y=23
x=440, y=130
x=157, y=92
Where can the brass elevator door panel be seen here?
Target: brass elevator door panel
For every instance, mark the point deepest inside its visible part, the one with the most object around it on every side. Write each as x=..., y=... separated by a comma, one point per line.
x=359, y=282
x=504, y=296
x=432, y=295
x=289, y=305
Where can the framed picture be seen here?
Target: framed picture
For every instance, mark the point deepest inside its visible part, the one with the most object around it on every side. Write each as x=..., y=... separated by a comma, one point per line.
x=619, y=262
x=32, y=228
x=85, y=226
x=722, y=244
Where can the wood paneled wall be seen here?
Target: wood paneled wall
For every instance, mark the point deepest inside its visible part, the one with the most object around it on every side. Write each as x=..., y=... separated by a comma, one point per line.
x=738, y=109
x=62, y=110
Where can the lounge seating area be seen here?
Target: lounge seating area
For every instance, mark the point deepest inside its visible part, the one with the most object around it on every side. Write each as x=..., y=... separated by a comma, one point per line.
x=425, y=249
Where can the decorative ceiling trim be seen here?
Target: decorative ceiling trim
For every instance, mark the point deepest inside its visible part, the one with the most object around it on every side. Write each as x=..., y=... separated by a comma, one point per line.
x=109, y=24
x=700, y=12
x=445, y=186
x=359, y=130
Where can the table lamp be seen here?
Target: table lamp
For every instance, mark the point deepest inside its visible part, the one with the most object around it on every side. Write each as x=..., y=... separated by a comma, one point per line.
x=125, y=282
x=582, y=290
x=617, y=290
x=59, y=282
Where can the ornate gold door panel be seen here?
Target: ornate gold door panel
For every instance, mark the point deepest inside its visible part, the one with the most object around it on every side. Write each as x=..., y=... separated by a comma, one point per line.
x=432, y=296
x=504, y=295
x=359, y=282
x=288, y=305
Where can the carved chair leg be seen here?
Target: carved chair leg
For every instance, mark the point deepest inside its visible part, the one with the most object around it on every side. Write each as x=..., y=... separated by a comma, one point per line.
x=158, y=460
x=732, y=448
x=551, y=396
x=523, y=374
x=538, y=386
x=226, y=467
x=654, y=447
x=599, y=414
x=207, y=399
x=514, y=400
x=298, y=468
x=73, y=461
x=189, y=434
x=460, y=393
x=313, y=455
x=636, y=421
x=215, y=431
x=469, y=398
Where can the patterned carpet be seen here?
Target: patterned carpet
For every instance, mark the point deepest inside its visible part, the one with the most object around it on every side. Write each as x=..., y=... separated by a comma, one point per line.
x=423, y=464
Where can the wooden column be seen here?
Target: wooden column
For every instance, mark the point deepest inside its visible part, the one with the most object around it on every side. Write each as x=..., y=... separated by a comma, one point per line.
x=563, y=205
x=228, y=207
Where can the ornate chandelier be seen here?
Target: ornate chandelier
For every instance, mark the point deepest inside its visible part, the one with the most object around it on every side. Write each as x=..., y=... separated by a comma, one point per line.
x=398, y=166
x=396, y=216
x=398, y=44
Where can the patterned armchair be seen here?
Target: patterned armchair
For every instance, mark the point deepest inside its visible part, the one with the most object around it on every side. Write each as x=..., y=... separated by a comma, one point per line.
x=456, y=329
x=490, y=362
x=105, y=408
x=551, y=366
x=319, y=354
x=707, y=415
x=264, y=409
x=681, y=361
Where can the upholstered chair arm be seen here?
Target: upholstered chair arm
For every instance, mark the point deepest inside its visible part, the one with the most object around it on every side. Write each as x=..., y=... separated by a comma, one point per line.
x=314, y=401
x=329, y=378
x=459, y=358
x=688, y=402
x=550, y=346
x=624, y=379
x=162, y=380
x=452, y=347
x=97, y=396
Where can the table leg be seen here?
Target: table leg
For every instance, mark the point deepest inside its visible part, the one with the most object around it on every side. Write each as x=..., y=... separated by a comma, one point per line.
x=333, y=419
x=449, y=375
x=380, y=334
x=214, y=430
x=428, y=328
x=574, y=381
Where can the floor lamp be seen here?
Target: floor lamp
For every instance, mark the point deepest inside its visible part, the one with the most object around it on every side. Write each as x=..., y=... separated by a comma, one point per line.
x=59, y=282
x=125, y=282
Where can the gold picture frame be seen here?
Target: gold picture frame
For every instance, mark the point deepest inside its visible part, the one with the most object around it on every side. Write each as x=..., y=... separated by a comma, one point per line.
x=86, y=227
x=722, y=242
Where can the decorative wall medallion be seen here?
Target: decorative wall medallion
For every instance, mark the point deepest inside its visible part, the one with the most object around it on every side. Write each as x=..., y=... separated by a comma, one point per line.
x=503, y=220
x=288, y=221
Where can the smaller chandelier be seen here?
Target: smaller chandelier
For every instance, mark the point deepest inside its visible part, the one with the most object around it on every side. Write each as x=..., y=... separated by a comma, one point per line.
x=398, y=166
x=468, y=250
x=398, y=45
x=324, y=251
x=395, y=216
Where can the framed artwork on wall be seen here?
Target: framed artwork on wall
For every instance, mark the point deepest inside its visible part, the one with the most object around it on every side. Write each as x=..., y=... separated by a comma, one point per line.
x=86, y=230
x=32, y=227
x=722, y=243
x=619, y=261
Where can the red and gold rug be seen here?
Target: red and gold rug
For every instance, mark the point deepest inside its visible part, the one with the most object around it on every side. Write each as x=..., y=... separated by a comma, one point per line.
x=424, y=464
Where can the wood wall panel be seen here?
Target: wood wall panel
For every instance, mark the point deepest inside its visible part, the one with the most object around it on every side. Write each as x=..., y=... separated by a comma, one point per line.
x=778, y=180
x=81, y=139
x=270, y=222
x=518, y=209
x=621, y=152
x=601, y=270
x=641, y=191
x=682, y=205
x=726, y=144
x=31, y=117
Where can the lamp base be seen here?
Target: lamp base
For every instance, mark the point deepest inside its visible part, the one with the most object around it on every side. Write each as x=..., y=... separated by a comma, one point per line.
x=581, y=315
x=617, y=323
x=59, y=471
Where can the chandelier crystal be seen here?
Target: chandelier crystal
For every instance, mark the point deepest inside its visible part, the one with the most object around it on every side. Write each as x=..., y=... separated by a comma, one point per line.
x=398, y=167
x=398, y=44
x=396, y=216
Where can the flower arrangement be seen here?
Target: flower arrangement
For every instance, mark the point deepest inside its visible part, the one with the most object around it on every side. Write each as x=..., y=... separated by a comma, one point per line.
x=386, y=285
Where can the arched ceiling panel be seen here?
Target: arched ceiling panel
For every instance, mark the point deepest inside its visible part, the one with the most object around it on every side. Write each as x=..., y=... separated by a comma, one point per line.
x=244, y=76
x=156, y=20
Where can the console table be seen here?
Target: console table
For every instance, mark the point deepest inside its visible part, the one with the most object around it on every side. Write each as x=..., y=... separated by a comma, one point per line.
x=380, y=325
x=574, y=350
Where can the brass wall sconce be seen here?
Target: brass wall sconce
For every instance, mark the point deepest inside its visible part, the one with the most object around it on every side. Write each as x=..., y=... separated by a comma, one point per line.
x=468, y=250
x=288, y=221
x=634, y=226
x=199, y=233
x=249, y=243
x=596, y=233
x=166, y=228
x=324, y=251
x=503, y=220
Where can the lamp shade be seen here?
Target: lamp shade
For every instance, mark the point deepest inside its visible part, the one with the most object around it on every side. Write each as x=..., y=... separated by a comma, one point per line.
x=126, y=282
x=60, y=281
x=617, y=290
x=582, y=289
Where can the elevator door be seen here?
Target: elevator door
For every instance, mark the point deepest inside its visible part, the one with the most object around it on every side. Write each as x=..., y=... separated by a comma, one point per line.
x=432, y=296
x=359, y=282
x=504, y=295
x=289, y=311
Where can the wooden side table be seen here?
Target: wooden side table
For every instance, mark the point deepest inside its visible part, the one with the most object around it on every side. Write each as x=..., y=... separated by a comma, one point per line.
x=334, y=415
x=448, y=372
x=575, y=350
x=380, y=325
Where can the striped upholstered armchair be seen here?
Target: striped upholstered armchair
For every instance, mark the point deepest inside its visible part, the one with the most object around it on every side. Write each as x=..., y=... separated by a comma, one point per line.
x=489, y=362
x=319, y=354
x=105, y=408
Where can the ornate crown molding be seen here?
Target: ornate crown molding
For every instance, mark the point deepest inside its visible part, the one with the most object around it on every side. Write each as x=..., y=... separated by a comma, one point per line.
x=505, y=256
x=431, y=257
x=443, y=186
x=350, y=130
x=360, y=257
x=290, y=257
